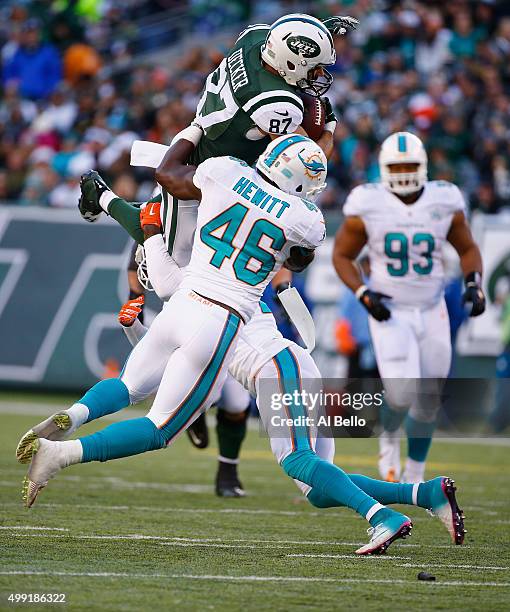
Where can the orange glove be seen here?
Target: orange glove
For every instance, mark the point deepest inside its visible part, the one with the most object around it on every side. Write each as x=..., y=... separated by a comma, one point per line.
x=345, y=341
x=150, y=215
x=130, y=311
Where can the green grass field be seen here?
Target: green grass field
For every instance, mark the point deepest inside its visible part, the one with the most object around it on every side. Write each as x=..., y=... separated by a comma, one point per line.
x=147, y=533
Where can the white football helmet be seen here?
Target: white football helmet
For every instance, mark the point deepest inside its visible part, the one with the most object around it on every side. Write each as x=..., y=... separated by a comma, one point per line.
x=295, y=45
x=403, y=148
x=296, y=165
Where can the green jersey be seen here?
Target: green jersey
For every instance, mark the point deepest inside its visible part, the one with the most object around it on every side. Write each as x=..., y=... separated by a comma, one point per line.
x=242, y=101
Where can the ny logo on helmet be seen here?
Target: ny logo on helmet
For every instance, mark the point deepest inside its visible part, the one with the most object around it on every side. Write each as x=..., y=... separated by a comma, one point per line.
x=313, y=165
x=303, y=45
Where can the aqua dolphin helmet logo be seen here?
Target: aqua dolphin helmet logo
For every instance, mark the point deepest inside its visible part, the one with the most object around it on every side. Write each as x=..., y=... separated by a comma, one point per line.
x=313, y=165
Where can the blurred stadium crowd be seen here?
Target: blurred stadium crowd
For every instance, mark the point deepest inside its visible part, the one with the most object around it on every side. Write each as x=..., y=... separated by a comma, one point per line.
x=76, y=89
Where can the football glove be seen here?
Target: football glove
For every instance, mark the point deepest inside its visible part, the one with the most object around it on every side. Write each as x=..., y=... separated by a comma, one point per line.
x=331, y=119
x=373, y=302
x=340, y=25
x=474, y=294
x=130, y=311
x=150, y=215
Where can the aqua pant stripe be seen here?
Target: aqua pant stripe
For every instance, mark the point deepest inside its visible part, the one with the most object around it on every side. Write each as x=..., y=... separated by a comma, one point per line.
x=202, y=388
x=290, y=383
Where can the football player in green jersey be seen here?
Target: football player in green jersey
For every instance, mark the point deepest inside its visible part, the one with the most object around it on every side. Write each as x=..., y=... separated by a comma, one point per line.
x=253, y=96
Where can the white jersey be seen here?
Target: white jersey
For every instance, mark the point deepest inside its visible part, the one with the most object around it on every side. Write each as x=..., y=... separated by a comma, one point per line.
x=245, y=231
x=405, y=242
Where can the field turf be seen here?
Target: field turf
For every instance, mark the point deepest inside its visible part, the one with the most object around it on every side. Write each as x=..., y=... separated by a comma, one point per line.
x=147, y=533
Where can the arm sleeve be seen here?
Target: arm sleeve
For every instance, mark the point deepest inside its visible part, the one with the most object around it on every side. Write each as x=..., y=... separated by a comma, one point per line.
x=458, y=203
x=204, y=173
x=354, y=205
x=164, y=274
x=135, y=332
x=276, y=112
x=316, y=234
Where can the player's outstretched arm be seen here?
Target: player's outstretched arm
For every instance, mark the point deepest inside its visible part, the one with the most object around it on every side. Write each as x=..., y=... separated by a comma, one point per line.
x=174, y=175
x=461, y=239
x=349, y=240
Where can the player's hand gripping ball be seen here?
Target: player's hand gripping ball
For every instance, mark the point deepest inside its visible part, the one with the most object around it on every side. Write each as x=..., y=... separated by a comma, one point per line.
x=130, y=311
x=150, y=214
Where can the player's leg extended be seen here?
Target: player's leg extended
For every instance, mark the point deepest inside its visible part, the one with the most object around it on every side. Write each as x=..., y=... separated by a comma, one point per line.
x=206, y=337
x=96, y=197
x=139, y=378
x=232, y=417
x=293, y=446
x=435, y=359
x=397, y=355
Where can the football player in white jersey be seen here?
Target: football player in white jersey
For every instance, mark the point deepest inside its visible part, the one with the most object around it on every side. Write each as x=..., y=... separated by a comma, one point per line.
x=330, y=486
x=247, y=228
x=405, y=220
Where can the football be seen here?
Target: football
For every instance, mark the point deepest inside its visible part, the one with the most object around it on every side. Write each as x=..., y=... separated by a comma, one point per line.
x=314, y=116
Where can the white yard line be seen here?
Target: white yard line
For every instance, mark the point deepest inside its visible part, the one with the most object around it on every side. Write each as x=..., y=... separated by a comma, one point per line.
x=169, y=509
x=221, y=578
x=30, y=528
x=204, y=541
x=455, y=566
x=376, y=558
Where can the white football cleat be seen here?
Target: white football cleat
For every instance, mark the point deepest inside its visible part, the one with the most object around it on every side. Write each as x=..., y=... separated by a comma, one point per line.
x=47, y=459
x=389, y=456
x=414, y=471
x=56, y=427
x=389, y=530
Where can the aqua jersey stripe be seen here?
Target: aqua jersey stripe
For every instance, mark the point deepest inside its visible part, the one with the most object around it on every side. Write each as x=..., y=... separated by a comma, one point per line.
x=264, y=308
x=202, y=387
x=290, y=382
x=304, y=20
x=402, y=143
x=282, y=146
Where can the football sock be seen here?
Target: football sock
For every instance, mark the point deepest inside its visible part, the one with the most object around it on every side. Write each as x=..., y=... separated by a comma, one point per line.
x=391, y=419
x=231, y=433
x=430, y=491
x=79, y=414
x=384, y=492
x=105, y=397
x=105, y=198
x=329, y=481
x=419, y=438
x=128, y=216
x=71, y=450
x=122, y=439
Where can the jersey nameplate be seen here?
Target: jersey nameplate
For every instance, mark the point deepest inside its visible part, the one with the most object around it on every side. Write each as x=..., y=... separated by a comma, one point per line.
x=237, y=69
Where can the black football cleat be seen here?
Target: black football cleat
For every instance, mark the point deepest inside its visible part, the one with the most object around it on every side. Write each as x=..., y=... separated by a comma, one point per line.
x=198, y=432
x=227, y=481
x=92, y=187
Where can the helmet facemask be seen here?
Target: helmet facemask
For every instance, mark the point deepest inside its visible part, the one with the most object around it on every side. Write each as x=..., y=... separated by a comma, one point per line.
x=141, y=270
x=316, y=86
x=404, y=183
